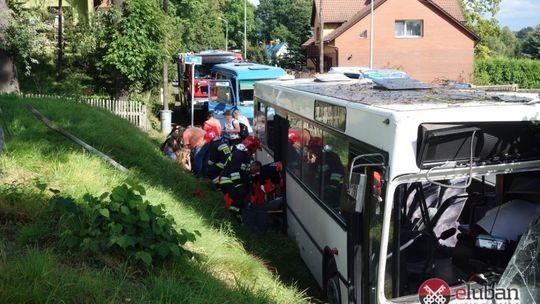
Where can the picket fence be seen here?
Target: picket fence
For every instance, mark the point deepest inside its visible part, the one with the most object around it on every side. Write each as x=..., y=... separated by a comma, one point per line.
x=132, y=111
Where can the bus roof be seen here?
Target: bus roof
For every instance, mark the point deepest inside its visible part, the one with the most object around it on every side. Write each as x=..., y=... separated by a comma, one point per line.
x=403, y=99
x=249, y=71
x=390, y=119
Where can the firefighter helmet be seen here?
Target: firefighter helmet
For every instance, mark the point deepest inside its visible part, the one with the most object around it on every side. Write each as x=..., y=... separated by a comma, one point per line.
x=294, y=137
x=252, y=144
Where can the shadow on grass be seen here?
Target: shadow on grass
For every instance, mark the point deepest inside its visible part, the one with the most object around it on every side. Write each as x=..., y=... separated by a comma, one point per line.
x=47, y=277
x=132, y=148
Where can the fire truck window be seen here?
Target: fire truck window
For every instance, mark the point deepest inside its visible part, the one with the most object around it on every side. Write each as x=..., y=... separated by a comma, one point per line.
x=202, y=71
x=334, y=155
x=312, y=164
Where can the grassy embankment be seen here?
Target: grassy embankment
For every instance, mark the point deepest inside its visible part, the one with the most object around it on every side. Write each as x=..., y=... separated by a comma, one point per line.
x=239, y=267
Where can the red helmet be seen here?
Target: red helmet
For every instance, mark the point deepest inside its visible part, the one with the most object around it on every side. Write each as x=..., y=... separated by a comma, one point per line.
x=252, y=144
x=294, y=136
x=209, y=135
x=315, y=144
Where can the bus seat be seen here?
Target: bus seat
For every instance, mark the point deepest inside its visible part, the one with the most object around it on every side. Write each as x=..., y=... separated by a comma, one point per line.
x=444, y=206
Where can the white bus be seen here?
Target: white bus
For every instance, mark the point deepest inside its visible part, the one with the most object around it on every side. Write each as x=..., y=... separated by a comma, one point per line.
x=423, y=170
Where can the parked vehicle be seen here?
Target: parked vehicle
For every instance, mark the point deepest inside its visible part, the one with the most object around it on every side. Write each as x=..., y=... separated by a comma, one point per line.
x=367, y=73
x=386, y=189
x=233, y=86
x=202, y=75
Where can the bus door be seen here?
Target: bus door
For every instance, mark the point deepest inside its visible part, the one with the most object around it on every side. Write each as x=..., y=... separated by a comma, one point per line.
x=366, y=191
x=221, y=97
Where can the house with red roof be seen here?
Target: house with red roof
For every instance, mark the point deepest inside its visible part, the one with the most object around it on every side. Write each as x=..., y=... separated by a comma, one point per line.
x=427, y=39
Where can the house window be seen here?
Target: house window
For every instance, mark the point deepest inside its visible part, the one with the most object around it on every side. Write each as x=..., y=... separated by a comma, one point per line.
x=408, y=28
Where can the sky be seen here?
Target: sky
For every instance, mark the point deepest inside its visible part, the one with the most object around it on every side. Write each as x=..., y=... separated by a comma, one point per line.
x=518, y=14
x=515, y=14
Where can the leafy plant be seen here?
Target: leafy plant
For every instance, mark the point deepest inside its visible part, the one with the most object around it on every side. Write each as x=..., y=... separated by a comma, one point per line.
x=122, y=223
x=524, y=72
x=25, y=35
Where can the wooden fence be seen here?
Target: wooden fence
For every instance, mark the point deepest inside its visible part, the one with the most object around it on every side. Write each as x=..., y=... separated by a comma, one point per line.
x=132, y=111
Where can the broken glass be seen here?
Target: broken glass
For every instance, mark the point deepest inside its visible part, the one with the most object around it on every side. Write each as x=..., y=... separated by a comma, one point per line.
x=523, y=271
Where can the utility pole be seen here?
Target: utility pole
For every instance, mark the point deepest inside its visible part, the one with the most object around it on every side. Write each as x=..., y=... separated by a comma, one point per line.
x=165, y=66
x=321, y=38
x=165, y=115
x=226, y=33
x=60, y=41
x=371, y=36
x=245, y=30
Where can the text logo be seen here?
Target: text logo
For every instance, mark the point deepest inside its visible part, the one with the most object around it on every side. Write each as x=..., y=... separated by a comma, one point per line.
x=434, y=291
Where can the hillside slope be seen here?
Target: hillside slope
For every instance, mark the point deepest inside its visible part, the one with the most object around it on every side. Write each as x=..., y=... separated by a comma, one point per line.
x=238, y=266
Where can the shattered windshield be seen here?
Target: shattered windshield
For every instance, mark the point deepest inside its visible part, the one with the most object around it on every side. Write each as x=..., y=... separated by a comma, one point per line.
x=523, y=271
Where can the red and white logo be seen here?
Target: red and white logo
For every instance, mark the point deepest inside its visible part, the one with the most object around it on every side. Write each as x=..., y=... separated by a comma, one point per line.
x=434, y=291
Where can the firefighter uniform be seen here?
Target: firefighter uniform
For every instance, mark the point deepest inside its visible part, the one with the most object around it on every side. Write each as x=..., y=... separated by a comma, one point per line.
x=332, y=172
x=235, y=178
x=218, y=156
x=265, y=181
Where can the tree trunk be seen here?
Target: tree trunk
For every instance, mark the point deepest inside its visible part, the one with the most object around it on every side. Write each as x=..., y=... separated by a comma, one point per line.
x=9, y=82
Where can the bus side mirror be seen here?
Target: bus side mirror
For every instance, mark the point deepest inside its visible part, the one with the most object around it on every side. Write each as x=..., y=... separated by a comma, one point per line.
x=357, y=190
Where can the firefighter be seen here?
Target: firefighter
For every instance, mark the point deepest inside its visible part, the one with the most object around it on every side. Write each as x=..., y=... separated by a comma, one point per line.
x=235, y=177
x=332, y=173
x=265, y=184
x=265, y=180
x=219, y=154
x=325, y=164
x=294, y=151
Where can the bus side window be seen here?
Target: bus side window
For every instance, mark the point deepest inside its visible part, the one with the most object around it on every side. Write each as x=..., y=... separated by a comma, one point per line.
x=294, y=146
x=334, y=155
x=259, y=122
x=313, y=159
x=270, y=112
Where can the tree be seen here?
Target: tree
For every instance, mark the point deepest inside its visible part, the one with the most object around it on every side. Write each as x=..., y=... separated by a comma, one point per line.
x=199, y=24
x=480, y=18
x=288, y=21
x=8, y=72
x=522, y=33
x=505, y=45
x=531, y=44
x=233, y=12
x=22, y=36
x=130, y=46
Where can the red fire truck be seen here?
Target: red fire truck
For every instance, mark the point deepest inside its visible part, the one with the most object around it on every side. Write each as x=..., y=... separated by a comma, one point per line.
x=202, y=74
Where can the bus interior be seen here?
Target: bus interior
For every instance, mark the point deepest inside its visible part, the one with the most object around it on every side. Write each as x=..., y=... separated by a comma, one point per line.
x=466, y=230
x=461, y=234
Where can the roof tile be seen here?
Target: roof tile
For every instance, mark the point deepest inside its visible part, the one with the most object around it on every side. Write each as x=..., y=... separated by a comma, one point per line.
x=339, y=10
x=452, y=7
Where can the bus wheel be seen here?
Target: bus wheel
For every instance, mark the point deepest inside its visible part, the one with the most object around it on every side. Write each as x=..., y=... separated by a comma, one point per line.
x=333, y=294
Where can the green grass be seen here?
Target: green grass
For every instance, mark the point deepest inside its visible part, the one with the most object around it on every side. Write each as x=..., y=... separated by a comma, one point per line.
x=239, y=267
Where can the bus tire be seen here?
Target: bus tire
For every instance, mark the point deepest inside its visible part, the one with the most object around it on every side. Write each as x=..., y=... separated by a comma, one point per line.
x=332, y=288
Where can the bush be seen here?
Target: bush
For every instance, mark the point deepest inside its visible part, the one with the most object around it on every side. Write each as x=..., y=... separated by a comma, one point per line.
x=122, y=223
x=494, y=71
